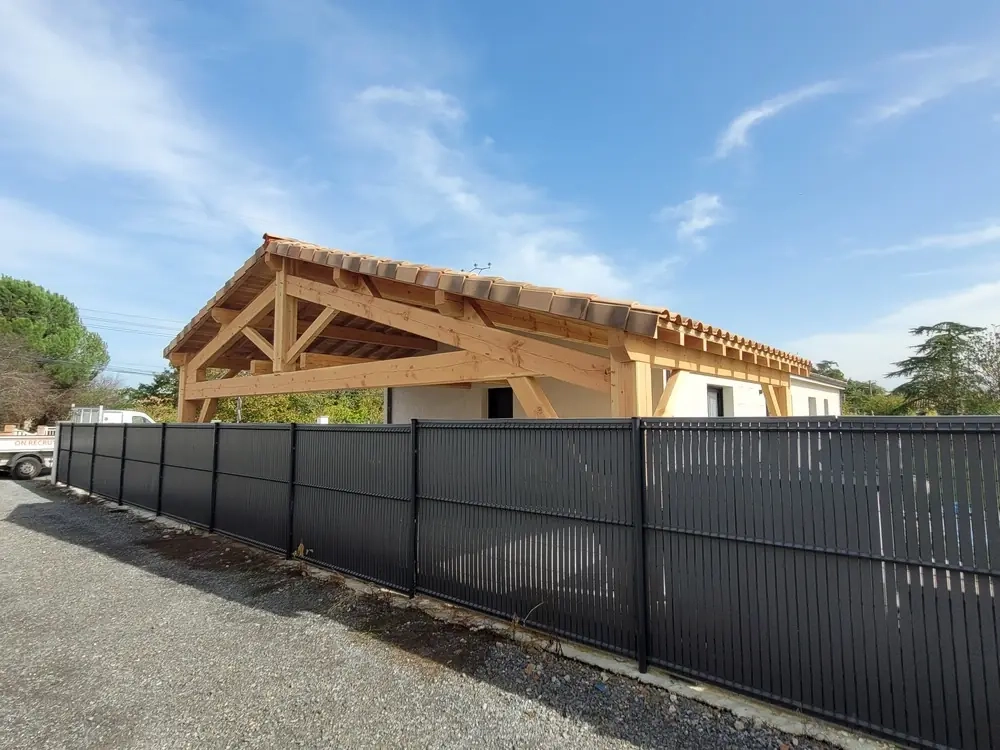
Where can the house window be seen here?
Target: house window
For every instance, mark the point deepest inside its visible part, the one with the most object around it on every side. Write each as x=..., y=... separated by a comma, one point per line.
x=826, y=406
x=716, y=402
x=812, y=406
x=500, y=403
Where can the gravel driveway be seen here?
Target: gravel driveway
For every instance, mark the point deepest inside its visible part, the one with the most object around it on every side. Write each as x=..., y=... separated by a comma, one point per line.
x=115, y=632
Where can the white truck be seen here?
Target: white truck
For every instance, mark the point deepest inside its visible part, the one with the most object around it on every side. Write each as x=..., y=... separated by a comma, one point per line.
x=25, y=454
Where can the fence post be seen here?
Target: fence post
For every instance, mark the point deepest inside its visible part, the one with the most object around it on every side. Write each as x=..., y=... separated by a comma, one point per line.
x=121, y=467
x=639, y=522
x=215, y=476
x=292, y=437
x=159, y=481
x=93, y=460
x=413, y=507
x=69, y=456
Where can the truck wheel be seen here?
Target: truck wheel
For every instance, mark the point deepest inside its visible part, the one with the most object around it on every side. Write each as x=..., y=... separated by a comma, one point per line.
x=27, y=468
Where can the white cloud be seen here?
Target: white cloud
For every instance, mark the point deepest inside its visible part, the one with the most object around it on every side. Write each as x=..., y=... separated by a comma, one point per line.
x=435, y=185
x=80, y=85
x=695, y=216
x=867, y=352
x=922, y=77
x=986, y=235
x=735, y=135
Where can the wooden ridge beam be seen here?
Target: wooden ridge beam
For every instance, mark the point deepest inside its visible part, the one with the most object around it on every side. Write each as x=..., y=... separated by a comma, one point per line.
x=433, y=369
x=538, y=357
x=247, y=316
x=532, y=398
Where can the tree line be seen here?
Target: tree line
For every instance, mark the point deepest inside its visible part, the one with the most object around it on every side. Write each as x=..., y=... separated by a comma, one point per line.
x=49, y=362
x=954, y=369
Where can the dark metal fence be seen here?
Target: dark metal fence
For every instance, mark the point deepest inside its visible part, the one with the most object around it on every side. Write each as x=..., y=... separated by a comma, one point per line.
x=846, y=567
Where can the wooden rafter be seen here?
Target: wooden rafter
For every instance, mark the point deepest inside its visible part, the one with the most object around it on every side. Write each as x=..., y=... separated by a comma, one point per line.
x=433, y=369
x=310, y=361
x=539, y=357
x=247, y=316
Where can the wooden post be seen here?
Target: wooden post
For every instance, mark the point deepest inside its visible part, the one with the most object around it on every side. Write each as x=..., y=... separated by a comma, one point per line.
x=778, y=399
x=286, y=320
x=631, y=388
x=187, y=410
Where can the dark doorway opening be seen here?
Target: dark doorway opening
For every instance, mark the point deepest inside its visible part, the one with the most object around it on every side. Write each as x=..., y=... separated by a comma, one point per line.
x=500, y=404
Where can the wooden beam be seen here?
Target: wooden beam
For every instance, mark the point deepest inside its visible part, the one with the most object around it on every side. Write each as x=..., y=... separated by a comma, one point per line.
x=534, y=402
x=539, y=357
x=315, y=328
x=347, y=279
x=666, y=403
x=224, y=315
x=274, y=262
x=247, y=316
x=310, y=360
x=210, y=406
x=433, y=369
x=673, y=357
x=177, y=359
x=261, y=366
x=208, y=409
x=450, y=305
x=778, y=399
x=631, y=388
x=286, y=320
x=260, y=342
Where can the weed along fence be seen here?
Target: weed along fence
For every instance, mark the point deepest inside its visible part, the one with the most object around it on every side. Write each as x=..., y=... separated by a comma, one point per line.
x=846, y=567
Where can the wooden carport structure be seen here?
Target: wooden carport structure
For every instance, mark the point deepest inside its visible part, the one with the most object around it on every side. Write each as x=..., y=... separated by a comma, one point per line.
x=298, y=318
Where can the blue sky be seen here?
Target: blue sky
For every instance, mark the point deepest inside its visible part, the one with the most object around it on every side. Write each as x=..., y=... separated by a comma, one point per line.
x=820, y=176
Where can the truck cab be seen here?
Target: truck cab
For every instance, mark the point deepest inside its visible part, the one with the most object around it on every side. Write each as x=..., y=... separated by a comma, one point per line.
x=100, y=415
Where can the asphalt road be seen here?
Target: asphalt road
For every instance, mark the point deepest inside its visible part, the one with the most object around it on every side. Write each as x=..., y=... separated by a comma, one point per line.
x=117, y=633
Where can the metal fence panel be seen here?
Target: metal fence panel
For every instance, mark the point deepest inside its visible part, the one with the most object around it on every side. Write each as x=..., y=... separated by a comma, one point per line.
x=79, y=470
x=107, y=472
x=860, y=555
x=189, y=446
x=254, y=510
x=531, y=521
x=83, y=438
x=62, y=466
x=187, y=495
x=352, y=510
x=259, y=451
x=143, y=443
x=108, y=440
x=141, y=482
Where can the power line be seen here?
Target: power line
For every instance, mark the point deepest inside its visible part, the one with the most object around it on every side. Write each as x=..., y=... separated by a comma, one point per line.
x=128, y=315
x=160, y=334
x=112, y=321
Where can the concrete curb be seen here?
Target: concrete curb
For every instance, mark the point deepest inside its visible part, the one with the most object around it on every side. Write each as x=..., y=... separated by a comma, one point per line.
x=743, y=707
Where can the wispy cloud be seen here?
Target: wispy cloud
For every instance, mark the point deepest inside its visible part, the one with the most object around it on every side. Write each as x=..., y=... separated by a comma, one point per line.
x=868, y=351
x=987, y=234
x=735, y=135
x=95, y=96
x=420, y=164
x=922, y=77
x=694, y=217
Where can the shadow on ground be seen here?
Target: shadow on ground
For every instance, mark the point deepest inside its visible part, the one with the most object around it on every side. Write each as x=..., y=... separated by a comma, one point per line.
x=614, y=706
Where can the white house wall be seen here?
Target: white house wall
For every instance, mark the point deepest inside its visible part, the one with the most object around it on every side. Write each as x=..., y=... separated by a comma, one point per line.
x=802, y=389
x=740, y=399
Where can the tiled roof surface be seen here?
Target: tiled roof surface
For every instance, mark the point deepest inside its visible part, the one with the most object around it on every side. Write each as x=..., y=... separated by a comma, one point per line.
x=633, y=317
